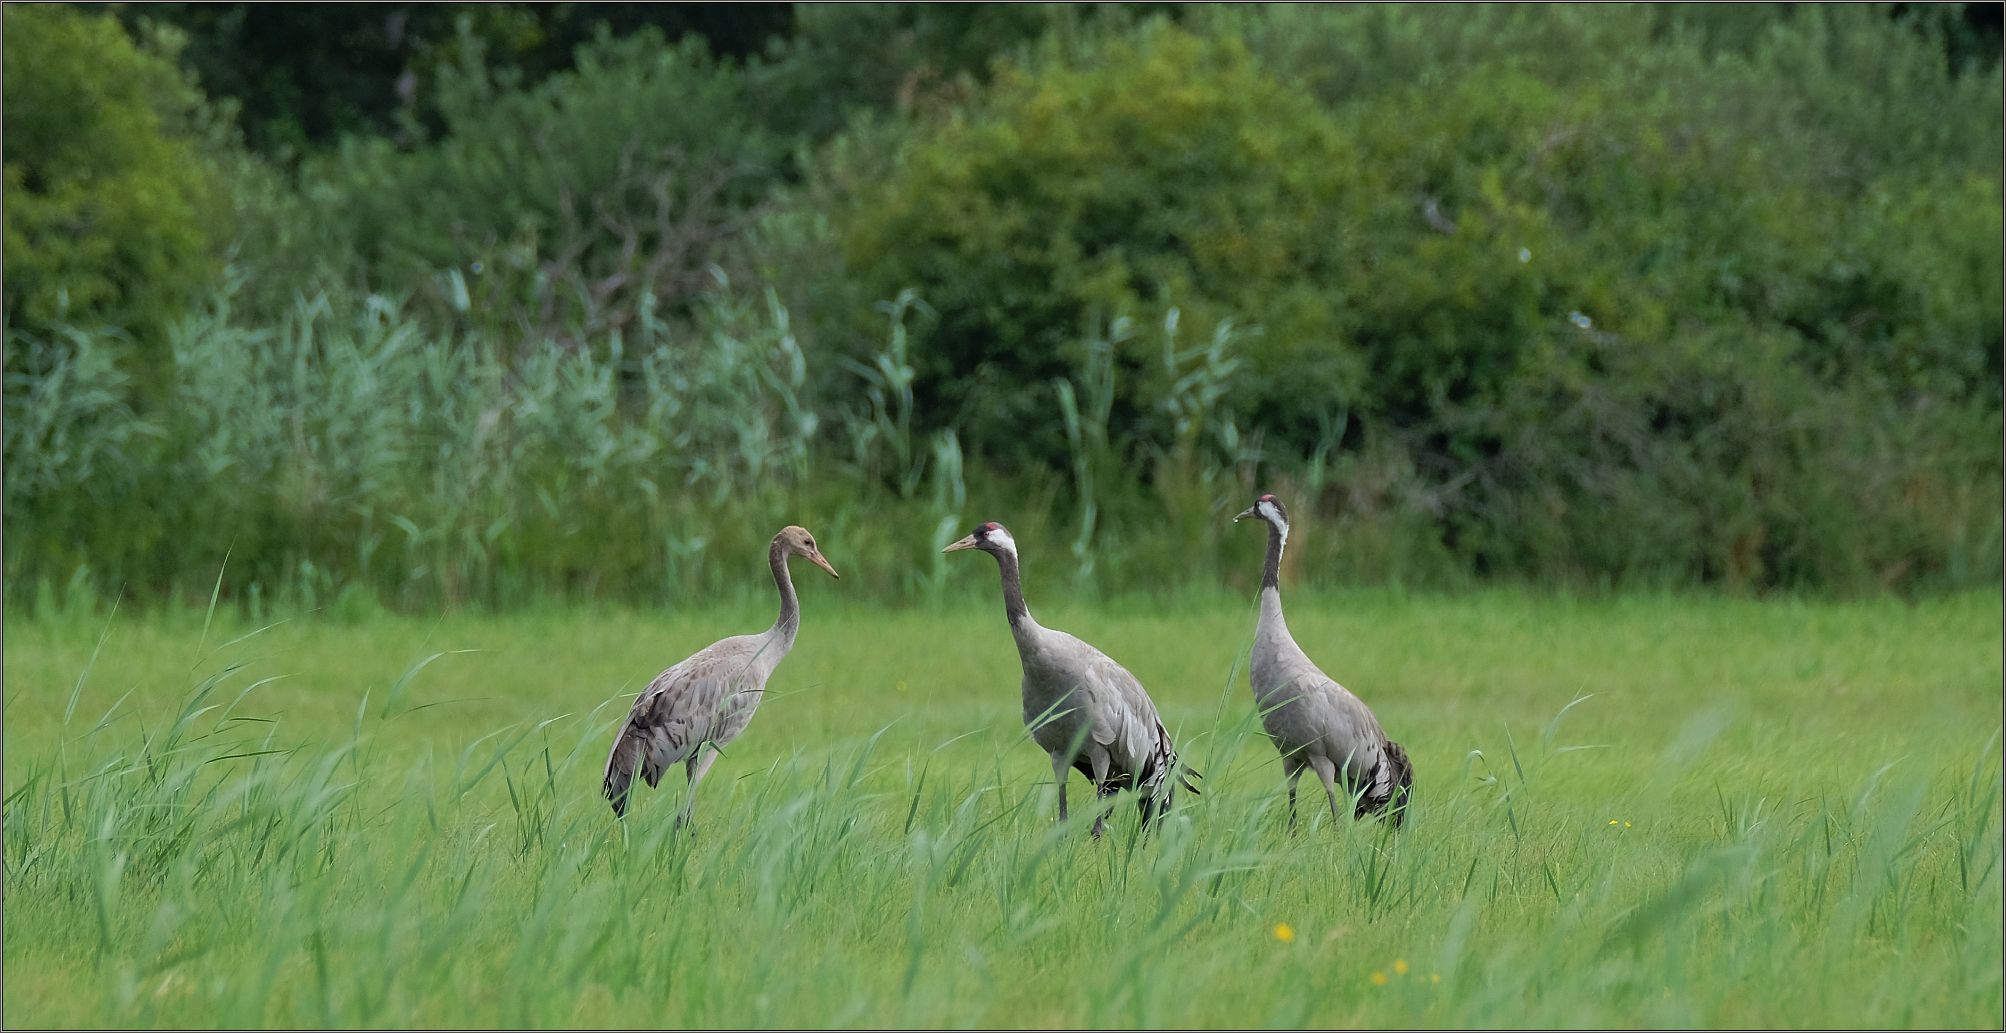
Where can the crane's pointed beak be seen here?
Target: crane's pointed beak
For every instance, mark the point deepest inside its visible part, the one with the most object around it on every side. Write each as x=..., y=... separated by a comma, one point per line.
x=1248, y=512
x=965, y=543
x=816, y=558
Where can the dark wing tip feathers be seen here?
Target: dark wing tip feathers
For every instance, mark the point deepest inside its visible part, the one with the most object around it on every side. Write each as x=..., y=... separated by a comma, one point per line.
x=618, y=785
x=1168, y=762
x=617, y=788
x=1402, y=782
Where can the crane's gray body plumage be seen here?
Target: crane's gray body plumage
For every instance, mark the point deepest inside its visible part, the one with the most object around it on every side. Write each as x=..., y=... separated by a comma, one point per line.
x=1314, y=722
x=708, y=698
x=1087, y=712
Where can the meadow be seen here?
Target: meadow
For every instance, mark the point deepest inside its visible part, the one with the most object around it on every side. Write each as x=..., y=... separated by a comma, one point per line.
x=1636, y=371
x=1639, y=810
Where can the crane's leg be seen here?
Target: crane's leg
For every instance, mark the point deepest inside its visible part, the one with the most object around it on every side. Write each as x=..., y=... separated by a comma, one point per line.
x=697, y=767
x=1326, y=772
x=1060, y=769
x=1295, y=774
x=1102, y=791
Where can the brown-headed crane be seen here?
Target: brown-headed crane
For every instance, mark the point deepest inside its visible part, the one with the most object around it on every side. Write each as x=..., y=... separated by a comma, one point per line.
x=708, y=699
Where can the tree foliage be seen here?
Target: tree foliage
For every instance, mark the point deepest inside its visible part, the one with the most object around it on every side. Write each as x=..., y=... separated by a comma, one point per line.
x=1651, y=294
x=1085, y=190
x=565, y=210
x=110, y=206
x=305, y=76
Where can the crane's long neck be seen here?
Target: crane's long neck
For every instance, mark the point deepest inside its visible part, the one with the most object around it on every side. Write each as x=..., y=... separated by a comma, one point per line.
x=789, y=620
x=1013, y=591
x=1271, y=575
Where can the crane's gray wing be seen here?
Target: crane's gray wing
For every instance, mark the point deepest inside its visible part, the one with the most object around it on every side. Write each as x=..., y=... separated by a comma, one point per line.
x=674, y=715
x=1373, y=765
x=1317, y=711
x=1351, y=734
x=1306, y=712
x=1126, y=723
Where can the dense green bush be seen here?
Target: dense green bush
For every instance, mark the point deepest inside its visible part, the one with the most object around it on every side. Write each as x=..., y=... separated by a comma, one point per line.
x=561, y=211
x=843, y=61
x=1638, y=315
x=110, y=206
x=1160, y=170
x=561, y=207
x=1567, y=294
x=307, y=76
x=1598, y=307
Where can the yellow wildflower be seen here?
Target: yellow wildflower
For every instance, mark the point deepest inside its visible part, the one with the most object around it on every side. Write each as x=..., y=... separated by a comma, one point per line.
x=1612, y=821
x=1399, y=966
x=1434, y=977
x=1285, y=932
x=1378, y=979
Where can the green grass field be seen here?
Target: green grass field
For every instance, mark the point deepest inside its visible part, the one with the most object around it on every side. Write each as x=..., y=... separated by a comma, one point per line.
x=1758, y=814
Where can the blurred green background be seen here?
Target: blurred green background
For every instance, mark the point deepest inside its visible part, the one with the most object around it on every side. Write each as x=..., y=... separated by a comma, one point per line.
x=411, y=306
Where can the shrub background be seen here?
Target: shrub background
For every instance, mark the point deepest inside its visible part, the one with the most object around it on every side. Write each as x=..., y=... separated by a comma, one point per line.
x=579, y=301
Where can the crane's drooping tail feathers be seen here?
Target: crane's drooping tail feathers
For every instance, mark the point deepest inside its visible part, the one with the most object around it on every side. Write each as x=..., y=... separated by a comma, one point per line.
x=627, y=755
x=1153, y=783
x=1392, y=785
x=1185, y=773
x=1168, y=765
x=620, y=773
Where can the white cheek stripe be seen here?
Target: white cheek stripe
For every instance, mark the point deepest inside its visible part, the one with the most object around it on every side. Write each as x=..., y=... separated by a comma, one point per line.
x=1274, y=516
x=1003, y=541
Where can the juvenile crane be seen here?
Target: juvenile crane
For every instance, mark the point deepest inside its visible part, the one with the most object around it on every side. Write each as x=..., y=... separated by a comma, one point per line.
x=1081, y=707
x=1315, y=722
x=708, y=698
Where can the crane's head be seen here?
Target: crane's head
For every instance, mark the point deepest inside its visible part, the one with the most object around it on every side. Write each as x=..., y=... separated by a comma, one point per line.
x=1268, y=508
x=992, y=538
x=796, y=541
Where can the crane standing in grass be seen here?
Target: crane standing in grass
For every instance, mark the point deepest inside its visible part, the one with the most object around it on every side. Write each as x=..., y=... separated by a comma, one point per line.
x=708, y=699
x=1084, y=709
x=1315, y=722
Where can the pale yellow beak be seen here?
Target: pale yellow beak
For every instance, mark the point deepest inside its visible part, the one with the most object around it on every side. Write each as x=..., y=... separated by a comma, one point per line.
x=965, y=543
x=1253, y=510
x=816, y=558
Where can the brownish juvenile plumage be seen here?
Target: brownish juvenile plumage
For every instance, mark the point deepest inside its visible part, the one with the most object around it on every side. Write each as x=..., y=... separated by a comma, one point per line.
x=708, y=699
